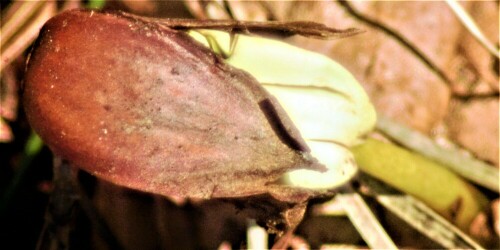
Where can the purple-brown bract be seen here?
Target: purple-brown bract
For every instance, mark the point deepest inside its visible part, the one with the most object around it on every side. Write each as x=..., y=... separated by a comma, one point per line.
x=144, y=106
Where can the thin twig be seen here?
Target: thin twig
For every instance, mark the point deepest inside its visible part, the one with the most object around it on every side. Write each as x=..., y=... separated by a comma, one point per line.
x=472, y=27
x=61, y=214
x=418, y=215
x=227, y=7
x=256, y=236
x=365, y=222
x=398, y=37
x=24, y=12
x=302, y=28
x=27, y=36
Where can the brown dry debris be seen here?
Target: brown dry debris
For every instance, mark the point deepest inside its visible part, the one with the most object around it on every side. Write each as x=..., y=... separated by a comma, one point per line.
x=480, y=63
x=474, y=125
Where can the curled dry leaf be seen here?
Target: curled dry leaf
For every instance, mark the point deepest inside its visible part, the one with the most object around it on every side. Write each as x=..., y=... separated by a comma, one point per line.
x=144, y=106
x=303, y=28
